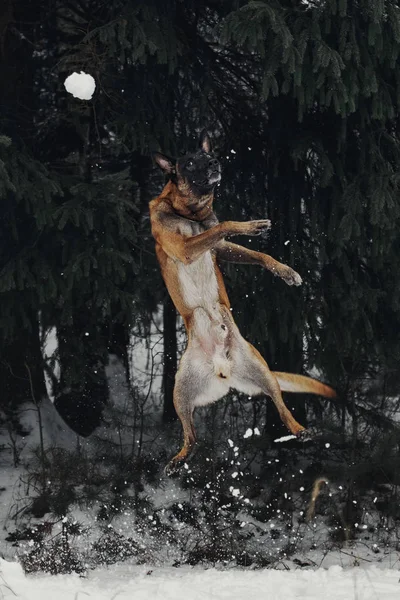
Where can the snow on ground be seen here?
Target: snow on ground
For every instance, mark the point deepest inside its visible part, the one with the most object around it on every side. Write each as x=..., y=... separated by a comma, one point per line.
x=364, y=570
x=125, y=582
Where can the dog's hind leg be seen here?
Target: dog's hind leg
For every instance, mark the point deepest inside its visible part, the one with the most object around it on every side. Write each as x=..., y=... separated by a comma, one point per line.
x=195, y=385
x=252, y=376
x=184, y=394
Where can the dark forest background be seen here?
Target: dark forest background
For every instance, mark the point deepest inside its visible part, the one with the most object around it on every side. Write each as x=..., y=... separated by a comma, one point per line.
x=302, y=103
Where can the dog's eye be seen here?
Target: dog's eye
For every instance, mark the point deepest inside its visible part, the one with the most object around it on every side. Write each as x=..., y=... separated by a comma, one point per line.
x=190, y=164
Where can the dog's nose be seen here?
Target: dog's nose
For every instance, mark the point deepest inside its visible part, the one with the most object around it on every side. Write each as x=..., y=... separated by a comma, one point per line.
x=214, y=164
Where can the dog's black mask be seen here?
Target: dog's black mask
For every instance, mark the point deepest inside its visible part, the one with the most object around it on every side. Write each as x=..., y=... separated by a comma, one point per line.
x=196, y=173
x=201, y=171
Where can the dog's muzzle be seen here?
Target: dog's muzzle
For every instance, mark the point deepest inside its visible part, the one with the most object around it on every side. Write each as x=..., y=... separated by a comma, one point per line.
x=214, y=177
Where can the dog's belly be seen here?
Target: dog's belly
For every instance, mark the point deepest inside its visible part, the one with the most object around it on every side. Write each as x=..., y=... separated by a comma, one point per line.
x=215, y=387
x=218, y=353
x=198, y=283
x=213, y=338
x=212, y=386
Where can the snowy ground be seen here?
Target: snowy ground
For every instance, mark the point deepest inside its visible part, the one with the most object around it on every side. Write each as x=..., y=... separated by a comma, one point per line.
x=125, y=582
x=366, y=569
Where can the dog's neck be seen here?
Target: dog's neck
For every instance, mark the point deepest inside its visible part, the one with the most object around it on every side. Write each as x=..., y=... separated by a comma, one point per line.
x=195, y=208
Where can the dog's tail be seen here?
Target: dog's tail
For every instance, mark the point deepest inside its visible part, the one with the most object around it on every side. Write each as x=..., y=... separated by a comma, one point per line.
x=289, y=382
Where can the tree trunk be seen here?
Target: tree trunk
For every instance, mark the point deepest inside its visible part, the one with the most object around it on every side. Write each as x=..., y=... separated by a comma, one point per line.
x=170, y=359
x=286, y=328
x=83, y=388
x=116, y=336
x=21, y=373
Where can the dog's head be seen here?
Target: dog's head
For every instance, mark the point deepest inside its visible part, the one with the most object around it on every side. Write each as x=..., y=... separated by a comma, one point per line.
x=194, y=174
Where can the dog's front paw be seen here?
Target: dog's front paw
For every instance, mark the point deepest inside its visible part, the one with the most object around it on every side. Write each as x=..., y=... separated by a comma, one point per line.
x=291, y=277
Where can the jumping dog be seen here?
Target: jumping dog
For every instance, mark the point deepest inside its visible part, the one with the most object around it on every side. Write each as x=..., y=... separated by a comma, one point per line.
x=189, y=241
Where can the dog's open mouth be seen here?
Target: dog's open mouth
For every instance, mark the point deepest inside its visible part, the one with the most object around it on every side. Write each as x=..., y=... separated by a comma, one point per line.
x=214, y=177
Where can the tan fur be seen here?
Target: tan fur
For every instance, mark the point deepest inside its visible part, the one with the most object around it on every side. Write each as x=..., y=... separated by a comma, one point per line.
x=189, y=239
x=288, y=382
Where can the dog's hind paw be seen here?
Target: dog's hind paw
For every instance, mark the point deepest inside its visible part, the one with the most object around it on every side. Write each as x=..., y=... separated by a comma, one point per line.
x=174, y=467
x=307, y=435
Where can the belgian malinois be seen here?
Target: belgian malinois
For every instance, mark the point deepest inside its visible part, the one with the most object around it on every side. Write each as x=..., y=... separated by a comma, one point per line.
x=189, y=241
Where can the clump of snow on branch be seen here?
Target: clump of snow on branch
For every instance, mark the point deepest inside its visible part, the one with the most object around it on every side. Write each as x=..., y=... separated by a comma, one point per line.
x=250, y=432
x=311, y=3
x=80, y=85
x=285, y=438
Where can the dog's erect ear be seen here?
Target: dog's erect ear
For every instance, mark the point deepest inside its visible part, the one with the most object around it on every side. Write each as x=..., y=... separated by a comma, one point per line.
x=205, y=142
x=165, y=163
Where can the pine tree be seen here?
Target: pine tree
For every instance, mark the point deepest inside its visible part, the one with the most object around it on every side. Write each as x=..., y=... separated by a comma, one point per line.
x=26, y=195
x=306, y=96
x=332, y=177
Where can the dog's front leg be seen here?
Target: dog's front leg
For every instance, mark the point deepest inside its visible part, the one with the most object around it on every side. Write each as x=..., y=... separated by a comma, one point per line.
x=186, y=248
x=230, y=252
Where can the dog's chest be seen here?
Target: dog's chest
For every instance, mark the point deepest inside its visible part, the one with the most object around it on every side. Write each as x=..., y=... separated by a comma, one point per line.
x=198, y=280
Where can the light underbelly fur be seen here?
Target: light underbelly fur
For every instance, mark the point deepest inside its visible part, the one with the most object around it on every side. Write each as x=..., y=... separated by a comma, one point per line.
x=209, y=333
x=198, y=281
x=212, y=334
